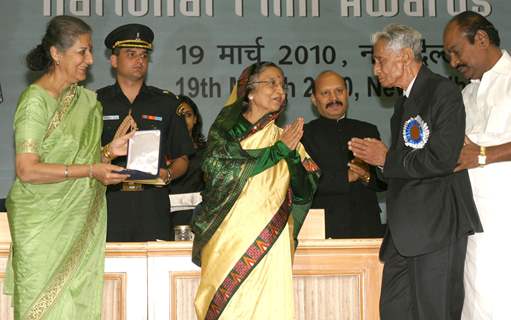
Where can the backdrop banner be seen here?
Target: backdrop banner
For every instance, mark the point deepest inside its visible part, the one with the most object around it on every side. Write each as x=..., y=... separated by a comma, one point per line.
x=200, y=47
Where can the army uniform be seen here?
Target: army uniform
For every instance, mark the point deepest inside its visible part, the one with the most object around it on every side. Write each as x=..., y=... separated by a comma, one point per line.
x=141, y=212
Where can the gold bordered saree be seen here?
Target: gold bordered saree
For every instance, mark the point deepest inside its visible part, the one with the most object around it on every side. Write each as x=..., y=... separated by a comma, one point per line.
x=256, y=198
x=58, y=229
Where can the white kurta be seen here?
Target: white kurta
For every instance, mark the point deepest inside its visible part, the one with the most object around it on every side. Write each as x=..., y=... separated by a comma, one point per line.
x=487, y=267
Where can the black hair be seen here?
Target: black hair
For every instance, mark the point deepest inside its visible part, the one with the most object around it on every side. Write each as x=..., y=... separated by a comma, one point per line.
x=197, y=136
x=470, y=22
x=61, y=32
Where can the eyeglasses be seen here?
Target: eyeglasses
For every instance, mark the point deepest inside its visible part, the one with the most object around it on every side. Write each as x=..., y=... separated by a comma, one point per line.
x=272, y=83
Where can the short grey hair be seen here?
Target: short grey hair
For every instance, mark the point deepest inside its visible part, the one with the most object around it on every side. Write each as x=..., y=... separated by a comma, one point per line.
x=399, y=37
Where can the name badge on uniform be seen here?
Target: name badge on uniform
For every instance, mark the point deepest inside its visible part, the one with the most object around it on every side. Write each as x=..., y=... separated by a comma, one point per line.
x=111, y=117
x=415, y=132
x=155, y=118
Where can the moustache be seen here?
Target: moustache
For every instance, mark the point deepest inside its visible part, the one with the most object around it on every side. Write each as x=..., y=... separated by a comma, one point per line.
x=334, y=103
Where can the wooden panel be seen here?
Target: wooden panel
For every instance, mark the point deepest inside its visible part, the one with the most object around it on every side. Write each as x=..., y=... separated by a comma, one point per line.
x=314, y=225
x=319, y=295
x=114, y=297
x=5, y=235
x=357, y=257
x=5, y=301
x=328, y=297
x=183, y=286
x=334, y=279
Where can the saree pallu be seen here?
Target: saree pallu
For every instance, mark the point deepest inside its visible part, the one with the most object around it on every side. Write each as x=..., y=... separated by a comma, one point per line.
x=246, y=265
x=58, y=229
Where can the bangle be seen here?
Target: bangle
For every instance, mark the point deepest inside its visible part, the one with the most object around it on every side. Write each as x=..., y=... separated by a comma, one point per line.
x=169, y=176
x=105, y=151
x=66, y=171
x=90, y=171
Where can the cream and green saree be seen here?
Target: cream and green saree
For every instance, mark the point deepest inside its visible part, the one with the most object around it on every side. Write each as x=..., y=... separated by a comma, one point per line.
x=256, y=198
x=58, y=229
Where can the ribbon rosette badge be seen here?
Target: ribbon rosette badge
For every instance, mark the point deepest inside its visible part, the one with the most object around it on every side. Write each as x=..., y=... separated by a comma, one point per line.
x=415, y=132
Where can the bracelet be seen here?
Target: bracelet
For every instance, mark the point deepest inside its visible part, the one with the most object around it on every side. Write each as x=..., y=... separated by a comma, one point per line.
x=169, y=176
x=90, y=171
x=66, y=171
x=105, y=151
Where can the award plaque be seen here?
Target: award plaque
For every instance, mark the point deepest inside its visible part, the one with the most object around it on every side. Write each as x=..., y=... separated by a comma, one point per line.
x=143, y=157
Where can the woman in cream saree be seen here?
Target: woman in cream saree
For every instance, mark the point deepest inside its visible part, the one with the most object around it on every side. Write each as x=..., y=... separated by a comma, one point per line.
x=258, y=190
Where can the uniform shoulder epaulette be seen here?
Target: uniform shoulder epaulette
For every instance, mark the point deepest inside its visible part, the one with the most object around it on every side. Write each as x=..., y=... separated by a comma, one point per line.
x=162, y=91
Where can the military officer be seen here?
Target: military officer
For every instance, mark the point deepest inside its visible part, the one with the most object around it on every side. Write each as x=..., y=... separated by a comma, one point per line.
x=141, y=212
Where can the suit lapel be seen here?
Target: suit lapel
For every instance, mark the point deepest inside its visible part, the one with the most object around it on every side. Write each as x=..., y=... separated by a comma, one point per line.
x=419, y=90
x=408, y=107
x=397, y=118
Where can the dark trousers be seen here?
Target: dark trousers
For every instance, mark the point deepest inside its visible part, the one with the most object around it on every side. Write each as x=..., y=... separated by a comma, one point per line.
x=139, y=215
x=183, y=217
x=425, y=287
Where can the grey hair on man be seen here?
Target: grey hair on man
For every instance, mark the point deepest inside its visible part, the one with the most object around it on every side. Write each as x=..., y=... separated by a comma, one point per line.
x=399, y=36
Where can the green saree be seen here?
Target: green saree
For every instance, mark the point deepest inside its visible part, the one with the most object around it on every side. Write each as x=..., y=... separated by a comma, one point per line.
x=58, y=229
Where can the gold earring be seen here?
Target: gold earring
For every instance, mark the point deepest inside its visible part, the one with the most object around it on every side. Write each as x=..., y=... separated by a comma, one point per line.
x=57, y=62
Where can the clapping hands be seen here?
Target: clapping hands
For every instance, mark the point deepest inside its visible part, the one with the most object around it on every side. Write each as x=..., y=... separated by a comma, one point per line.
x=292, y=133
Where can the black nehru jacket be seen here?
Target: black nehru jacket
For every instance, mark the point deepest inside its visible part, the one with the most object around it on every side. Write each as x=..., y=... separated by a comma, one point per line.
x=351, y=209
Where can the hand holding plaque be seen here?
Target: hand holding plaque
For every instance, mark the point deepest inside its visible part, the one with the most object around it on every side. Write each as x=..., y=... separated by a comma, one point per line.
x=143, y=157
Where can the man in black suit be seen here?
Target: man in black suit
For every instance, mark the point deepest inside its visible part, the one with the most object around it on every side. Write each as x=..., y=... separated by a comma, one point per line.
x=430, y=209
x=347, y=188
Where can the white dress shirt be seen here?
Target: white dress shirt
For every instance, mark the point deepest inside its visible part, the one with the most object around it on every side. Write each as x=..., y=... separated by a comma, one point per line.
x=487, y=277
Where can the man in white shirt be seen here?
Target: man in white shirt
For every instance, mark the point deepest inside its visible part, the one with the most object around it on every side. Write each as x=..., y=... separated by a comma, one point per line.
x=472, y=44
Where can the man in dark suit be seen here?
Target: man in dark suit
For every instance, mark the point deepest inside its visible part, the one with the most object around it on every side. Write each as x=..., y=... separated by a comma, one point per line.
x=347, y=188
x=430, y=209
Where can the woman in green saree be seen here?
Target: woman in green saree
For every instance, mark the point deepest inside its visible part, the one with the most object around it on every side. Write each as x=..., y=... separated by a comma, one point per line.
x=259, y=187
x=56, y=206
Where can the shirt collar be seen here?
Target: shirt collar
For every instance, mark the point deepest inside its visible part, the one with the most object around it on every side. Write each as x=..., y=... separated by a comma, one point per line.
x=501, y=67
x=333, y=120
x=406, y=93
x=118, y=90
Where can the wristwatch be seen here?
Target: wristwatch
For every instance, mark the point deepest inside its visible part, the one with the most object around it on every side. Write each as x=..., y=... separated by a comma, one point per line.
x=481, y=158
x=365, y=179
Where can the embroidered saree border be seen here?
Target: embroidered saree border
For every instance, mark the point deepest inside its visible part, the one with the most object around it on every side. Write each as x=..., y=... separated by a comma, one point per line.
x=68, y=266
x=250, y=259
x=246, y=169
x=29, y=146
x=261, y=124
x=65, y=100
